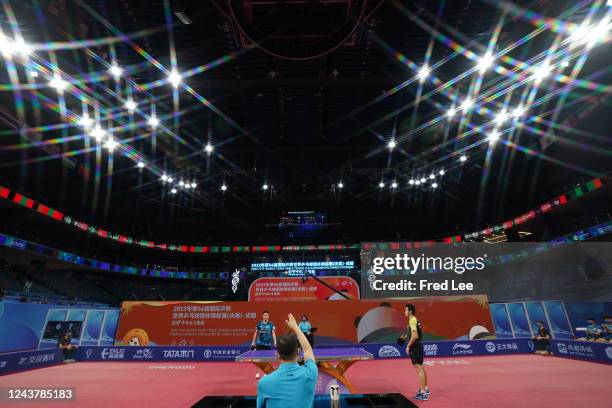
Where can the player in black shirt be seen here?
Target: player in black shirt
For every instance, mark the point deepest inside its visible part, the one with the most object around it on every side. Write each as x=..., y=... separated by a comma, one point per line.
x=68, y=349
x=542, y=340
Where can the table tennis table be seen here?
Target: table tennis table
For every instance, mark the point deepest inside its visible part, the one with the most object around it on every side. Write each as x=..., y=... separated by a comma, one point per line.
x=342, y=357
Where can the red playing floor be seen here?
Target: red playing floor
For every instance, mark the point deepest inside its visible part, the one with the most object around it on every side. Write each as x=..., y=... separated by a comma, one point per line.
x=500, y=381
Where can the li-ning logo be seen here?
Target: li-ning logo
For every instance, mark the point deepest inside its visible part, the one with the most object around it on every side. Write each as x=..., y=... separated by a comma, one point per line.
x=459, y=348
x=388, y=351
x=235, y=280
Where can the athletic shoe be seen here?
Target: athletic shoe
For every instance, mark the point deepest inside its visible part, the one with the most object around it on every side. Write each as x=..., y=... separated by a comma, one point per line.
x=425, y=395
x=419, y=396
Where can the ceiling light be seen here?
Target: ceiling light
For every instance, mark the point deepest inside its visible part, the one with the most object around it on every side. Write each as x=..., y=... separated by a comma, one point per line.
x=170, y=179
x=85, y=121
x=209, y=148
x=518, y=112
x=164, y=177
x=34, y=74
x=140, y=165
x=417, y=182
x=193, y=184
x=115, y=70
x=434, y=185
x=423, y=179
x=565, y=64
x=441, y=172
x=153, y=121
x=391, y=145
x=432, y=176
x=451, y=112
x=381, y=184
x=485, y=61
x=423, y=73
x=541, y=72
x=111, y=144
x=394, y=185
x=173, y=191
x=181, y=183
x=22, y=47
x=411, y=181
x=174, y=78
x=130, y=105
x=501, y=117
x=97, y=133
x=7, y=46
x=340, y=185
x=493, y=136
x=223, y=187
x=467, y=105
x=58, y=83
x=265, y=186
x=463, y=158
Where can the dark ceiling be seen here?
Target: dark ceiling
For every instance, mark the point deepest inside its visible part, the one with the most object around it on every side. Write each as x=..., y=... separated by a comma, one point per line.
x=300, y=95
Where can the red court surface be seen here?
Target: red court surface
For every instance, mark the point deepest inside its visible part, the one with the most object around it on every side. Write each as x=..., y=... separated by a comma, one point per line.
x=499, y=381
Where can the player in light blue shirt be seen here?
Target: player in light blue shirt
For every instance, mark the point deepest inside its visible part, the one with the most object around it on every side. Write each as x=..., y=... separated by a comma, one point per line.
x=290, y=385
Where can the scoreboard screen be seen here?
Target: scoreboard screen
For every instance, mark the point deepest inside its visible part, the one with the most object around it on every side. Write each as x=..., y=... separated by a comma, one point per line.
x=57, y=328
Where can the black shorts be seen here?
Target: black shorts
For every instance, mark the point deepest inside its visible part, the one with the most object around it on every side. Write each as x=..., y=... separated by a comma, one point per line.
x=416, y=353
x=262, y=347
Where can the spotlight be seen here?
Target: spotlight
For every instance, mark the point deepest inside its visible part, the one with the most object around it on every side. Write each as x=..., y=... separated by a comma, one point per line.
x=394, y=185
x=340, y=185
x=209, y=148
x=111, y=144
x=493, y=137
x=265, y=186
x=173, y=191
x=97, y=133
x=58, y=83
x=140, y=165
x=130, y=105
x=7, y=47
x=181, y=183
x=223, y=187
x=441, y=172
x=423, y=73
x=518, y=112
x=170, y=180
x=193, y=184
x=85, y=121
x=485, y=61
x=434, y=185
x=175, y=78
x=501, y=117
x=22, y=47
x=565, y=64
x=541, y=72
x=391, y=145
x=423, y=179
x=34, y=74
x=451, y=112
x=411, y=182
x=381, y=185
x=417, y=182
x=467, y=105
x=164, y=177
x=432, y=176
x=153, y=121
x=115, y=70
x=463, y=158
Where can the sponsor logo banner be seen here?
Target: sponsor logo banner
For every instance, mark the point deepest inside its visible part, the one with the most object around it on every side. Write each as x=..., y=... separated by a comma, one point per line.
x=26, y=360
x=584, y=350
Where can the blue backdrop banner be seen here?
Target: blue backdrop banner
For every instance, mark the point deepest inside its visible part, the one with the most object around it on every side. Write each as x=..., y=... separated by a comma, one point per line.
x=584, y=350
x=26, y=360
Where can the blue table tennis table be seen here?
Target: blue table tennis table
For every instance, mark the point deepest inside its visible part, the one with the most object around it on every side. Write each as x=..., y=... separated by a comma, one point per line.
x=332, y=361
